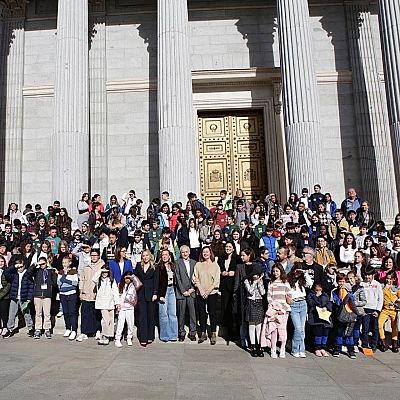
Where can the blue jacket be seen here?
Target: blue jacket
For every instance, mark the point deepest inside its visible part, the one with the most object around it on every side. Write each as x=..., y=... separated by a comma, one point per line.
x=270, y=244
x=116, y=271
x=27, y=284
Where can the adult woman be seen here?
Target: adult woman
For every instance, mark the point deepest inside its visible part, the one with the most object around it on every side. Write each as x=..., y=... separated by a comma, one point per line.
x=346, y=252
x=149, y=275
x=242, y=271
x=167, y=299
x=83, y=209
x=120, y=264
x=182, y=232
x=298, y=280
x=217, y=244
x=236, y=241
x=227, y=264
x=194, y=240
x=4, y=297
x=206, y=279
x=388, y=267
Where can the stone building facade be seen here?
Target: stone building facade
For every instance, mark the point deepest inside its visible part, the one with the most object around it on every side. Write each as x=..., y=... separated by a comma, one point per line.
x=198, y=95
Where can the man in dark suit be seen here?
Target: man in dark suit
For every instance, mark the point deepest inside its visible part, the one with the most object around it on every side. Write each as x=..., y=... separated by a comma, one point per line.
x=185, y=293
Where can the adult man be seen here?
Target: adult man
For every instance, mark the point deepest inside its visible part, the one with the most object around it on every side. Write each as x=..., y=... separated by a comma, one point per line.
x=365, y=216
x=323, y=256
x=282, y=258
x=314, y=269
x=351, y=202
x=316, y=198
x=185, y=293
x=90, y=318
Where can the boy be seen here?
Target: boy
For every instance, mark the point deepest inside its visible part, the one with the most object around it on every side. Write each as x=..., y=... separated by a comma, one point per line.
x=155, y=234
x=269, y=242
x=259, y=229
x=361, y=236
x=53, y=239
x=230, y=226
x=374, y=296
x=21, y=295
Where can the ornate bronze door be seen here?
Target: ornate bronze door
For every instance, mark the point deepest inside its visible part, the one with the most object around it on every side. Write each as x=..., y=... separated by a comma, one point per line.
x=232, y=154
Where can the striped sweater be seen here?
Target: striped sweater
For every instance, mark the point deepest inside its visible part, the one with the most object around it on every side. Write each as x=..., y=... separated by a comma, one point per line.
x=277, y=291
x=67, y=283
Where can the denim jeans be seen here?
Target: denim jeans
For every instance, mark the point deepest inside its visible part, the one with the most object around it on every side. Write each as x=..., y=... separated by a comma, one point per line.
x=167, y=316
x=298, y=316
x=369, y=324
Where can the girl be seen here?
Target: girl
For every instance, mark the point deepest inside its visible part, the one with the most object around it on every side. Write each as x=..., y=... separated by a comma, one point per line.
x=83, y=209
x=330, y=204
x=293, y=201
x=164, y=215
x=149, y=274
x=206, y=278
x=167, y=300
x=58, y=258
x=254, y=308
x=341, y=297
x=182, y=232
x=359, y=302
x=391, y=299
x=388, y=267
x=368, y=242
x=329, y=278
x=320, y=327
x=236, y=241
x=126, y=306
x=194, y=240
x=346, y=252
x=375, y=260
x=5, y=288
x=278, y=295
x=217, y=244
x=298, y=280
x=360, y=263
x=67, y=283
x=106, y=300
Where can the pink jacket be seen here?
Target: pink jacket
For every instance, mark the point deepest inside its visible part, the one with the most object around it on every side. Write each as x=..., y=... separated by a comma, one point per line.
x=273, y=321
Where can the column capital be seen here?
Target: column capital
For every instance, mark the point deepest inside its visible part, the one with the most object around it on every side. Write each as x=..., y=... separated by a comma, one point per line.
x=13, y=8
x=277, y=85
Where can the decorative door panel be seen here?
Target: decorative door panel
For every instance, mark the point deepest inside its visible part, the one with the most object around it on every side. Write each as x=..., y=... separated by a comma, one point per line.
x=232, y=154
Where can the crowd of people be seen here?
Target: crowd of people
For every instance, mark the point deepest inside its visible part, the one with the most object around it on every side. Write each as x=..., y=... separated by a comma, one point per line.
x=320, y=274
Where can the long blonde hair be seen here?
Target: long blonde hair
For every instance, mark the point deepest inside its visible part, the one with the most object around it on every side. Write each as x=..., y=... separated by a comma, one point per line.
x=151, y=262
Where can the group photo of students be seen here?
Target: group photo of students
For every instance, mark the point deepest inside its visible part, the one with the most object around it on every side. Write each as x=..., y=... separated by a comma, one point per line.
x=271, y=277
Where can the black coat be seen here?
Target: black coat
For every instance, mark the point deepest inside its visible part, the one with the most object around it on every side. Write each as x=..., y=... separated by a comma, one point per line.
x=150, y=281
x=227, y=283
x=239, y=290
x=314, y=301
x=50, y=281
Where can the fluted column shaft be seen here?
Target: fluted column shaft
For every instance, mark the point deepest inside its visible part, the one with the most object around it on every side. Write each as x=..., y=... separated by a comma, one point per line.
x=70, y=144
x=373, y=135
x=98, y=102
x=389, y=17
x=300, y=96
x=177, y=139
x=13, y=74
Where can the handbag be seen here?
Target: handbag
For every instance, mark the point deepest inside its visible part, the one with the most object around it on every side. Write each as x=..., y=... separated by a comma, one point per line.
x=345, y=316
x=136, y=282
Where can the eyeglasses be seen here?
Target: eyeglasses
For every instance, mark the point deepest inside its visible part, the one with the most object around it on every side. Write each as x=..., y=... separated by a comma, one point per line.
x=304, y=254
x=94, y=255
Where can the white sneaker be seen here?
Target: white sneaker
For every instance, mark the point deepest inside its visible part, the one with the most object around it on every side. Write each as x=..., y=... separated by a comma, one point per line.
x=105, y=341
x=356, y=350
x=296, y=355
x=129, y=341
x=118, y=343
x=273, y=353
x=282, y=353
x=72, y=335
x=81, y=337
x=302, y=355
x=98, y=335
x=67, y=333
x=344, y=349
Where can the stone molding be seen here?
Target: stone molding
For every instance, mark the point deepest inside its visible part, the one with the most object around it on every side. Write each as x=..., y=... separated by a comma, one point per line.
x=13, y=9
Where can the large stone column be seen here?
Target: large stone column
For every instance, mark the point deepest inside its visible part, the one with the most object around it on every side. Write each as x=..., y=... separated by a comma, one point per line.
x=389, y=17
x=300, y=96
x=12, y=78
x=177, y=138
x=70, y=142
x=376, y=160
x=98, y=98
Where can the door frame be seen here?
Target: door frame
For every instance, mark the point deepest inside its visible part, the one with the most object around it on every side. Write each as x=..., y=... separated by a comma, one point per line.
x=274, y=139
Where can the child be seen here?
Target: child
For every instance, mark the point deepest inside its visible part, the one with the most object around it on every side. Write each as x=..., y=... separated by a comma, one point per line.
x=259, y=229
x=391, y=296
x=126, y=307
x=269, y=241
x=277, y=314
x=67, y=283
x=374, y=295
x=342, y=297
x=45, y=281
x=359, y=302
x=254, y=308
x=329, y=278
x=106, y=300
x=155, y=236
x=5, y=287
x=320, y=327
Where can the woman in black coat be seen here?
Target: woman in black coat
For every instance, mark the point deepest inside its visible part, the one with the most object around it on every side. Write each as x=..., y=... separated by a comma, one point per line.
x=320, y=327
x=227, y=264
x=149, y=275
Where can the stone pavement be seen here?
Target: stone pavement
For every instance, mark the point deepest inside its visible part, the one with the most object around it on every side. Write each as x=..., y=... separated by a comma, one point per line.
x=59, y=369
